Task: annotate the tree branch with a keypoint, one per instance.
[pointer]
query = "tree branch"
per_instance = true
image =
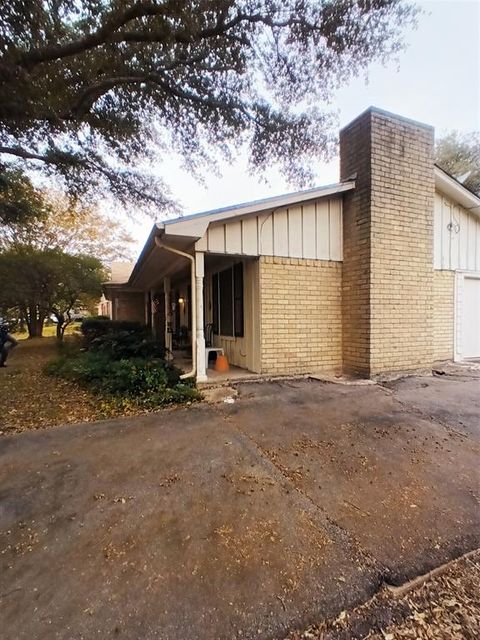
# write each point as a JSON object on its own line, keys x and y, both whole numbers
{"x": 23, "y": 153}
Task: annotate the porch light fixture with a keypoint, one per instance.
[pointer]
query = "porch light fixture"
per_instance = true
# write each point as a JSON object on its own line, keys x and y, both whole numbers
{"x": 181, "y": 300}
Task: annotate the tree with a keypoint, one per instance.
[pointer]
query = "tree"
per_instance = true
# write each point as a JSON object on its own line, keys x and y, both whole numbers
{"x": 37, "y": 283}
{"x": 459, "y": 155}
{"x": 20, "y": 202}
{"x": 71, "y": 227}
{"x": 78, "y": 284}
{"x": 92, "y": 90}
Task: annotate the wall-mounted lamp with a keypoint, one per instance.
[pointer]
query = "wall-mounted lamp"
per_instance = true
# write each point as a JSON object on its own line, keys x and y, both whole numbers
{"x": 181, "y": 300}
{"x": 453, "y": 226}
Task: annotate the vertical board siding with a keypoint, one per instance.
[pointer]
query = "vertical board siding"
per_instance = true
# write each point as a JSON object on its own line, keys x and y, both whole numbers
{"x": 295, "y": 232}
{"x": 310, "y": 231}
{"x": 233, "y": 237}
{"x": 323, "y": 230}
{"x": 457, "y": 247}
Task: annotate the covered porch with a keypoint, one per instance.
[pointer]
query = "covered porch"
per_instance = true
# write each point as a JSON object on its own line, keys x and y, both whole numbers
{"x": 197, "y": 302}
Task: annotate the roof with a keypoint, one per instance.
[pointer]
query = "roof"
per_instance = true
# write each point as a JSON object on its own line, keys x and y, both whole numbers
{"x": 451, "y": 187}
{"x": 188, "y": 229}
{"x": 120, "y": 271}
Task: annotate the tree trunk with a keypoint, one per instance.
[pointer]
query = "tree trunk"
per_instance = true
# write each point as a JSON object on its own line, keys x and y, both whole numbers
{"x": 35, "y": 322}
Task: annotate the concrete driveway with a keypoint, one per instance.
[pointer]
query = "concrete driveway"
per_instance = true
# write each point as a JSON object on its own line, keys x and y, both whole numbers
{"x": 236, "y": 521}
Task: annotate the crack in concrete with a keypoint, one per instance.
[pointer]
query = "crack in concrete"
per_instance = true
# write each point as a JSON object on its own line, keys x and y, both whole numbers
{"x": 334, "y": 529}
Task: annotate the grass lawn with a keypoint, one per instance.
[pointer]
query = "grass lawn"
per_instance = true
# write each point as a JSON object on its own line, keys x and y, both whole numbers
{"x": 50, "y": 331}
{"x": 32, "y": 400}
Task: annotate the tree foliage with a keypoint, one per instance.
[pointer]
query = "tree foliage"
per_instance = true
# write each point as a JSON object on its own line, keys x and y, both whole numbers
{"x": 68, "y": 226}
{"x": 459, "y": 155}
{"x": 93, "y": 90}
{"x": 20, "y": 202}
{"x": 37, "y": 283}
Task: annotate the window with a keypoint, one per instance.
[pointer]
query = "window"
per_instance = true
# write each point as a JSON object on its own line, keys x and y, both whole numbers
{"x": 227, "y": 301}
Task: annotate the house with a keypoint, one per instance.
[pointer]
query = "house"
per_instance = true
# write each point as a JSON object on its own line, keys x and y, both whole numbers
{"x": 120, "y": 271}
{"x": 378, "y": 273}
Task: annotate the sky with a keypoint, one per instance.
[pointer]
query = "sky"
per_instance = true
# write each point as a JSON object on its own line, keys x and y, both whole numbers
{"x": 436, "y": 81}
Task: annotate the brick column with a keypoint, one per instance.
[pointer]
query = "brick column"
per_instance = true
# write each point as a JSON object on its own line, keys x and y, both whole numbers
{"x": 388, "y": 244}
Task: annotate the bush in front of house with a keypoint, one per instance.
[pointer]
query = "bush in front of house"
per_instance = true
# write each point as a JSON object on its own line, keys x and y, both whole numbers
{"x": 121, "y": 363}
{"x": 120, "y": 339}
{"x": 136, "y": 381}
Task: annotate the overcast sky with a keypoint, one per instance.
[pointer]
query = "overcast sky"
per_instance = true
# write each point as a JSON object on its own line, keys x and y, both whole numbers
{"x": 437, "y": 82}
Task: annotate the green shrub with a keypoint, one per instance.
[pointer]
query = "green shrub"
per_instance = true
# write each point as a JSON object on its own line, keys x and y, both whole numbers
{"x": 120, "y": 339}
{"x": 97, "y": 326}
{"x": 120, "y": 344}
{"x": 137, "y": 381}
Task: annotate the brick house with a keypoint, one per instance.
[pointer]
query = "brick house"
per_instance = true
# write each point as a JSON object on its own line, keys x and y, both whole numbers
{"x": 379, "y": 273}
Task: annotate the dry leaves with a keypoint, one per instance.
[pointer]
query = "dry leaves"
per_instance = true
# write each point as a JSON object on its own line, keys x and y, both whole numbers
{"x": 446, "y": 607}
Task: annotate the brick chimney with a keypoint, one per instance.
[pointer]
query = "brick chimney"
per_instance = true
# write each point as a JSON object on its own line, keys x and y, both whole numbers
{"x": 388, "y": 244}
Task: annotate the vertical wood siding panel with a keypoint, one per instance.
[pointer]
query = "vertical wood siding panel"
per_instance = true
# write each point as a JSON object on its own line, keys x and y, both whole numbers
{"x": 454, "y": 238}
{"x": 233, "y": 237}
{"x": 446, "y": 219}
{"x": 477, "y": 247}
{"x": 323, "y": 231}
{"x": 462, "y": 217}
{"x": 280, "y": 233}
{"x": 249, "y": 236}
{"x": 216, "y": 239}
{"x": 295, "y": 235}
{"x": 471, "y": 237}
{"x": 309, "y": 231}
{"x": 437, "y": 232}
{"x": 265, "y": 234}
{"x": 335, "y": 230}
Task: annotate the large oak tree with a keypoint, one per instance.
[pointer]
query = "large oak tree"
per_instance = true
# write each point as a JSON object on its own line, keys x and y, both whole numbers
{"x": 92, "y": 89}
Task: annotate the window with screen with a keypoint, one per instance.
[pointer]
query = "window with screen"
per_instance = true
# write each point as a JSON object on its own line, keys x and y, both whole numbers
{"x": 227, "y": 301}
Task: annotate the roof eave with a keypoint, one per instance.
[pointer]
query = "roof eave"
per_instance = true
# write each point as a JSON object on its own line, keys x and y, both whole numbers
{"x": 454, "y": 189}
{"x": 195, "y": 225}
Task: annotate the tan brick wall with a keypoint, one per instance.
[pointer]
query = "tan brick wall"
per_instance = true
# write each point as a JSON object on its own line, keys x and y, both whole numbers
{"x": 355, "y": 152}
{"x": 443, "y": 314}
{"x": 300, "y": 311}
{"x": 390, "y": 257}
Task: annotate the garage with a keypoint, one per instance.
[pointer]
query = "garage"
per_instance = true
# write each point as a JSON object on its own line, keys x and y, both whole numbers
{"x": 470, "y": 317}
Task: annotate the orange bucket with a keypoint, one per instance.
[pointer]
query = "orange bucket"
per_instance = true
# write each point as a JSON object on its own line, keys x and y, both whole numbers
{"x": 221, "y": 363}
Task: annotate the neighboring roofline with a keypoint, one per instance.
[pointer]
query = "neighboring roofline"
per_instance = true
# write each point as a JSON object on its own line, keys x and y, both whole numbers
{"x": 271, "y": 202}
{"x": 456, "y": 190}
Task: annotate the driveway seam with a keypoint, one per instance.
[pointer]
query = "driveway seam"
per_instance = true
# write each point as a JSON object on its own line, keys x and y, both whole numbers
{"x": 331, "y": 525}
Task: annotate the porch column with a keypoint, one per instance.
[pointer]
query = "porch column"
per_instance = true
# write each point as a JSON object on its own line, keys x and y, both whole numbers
{"x": 168, "y": 323}
{"x": 199, "y": 274}
{"x": 146, "y": 299}
{"x": 152, "y": 313}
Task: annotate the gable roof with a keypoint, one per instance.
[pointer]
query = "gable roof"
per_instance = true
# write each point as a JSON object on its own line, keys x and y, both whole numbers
{"x": 186, "y": 230}
{"x": 195, "y": 225}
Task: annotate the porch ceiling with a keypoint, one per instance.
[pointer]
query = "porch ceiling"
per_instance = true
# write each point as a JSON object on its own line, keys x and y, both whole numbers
{"x": 159, "y": 263}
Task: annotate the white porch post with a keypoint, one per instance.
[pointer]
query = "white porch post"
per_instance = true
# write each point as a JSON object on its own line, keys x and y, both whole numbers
{"x": 199, "y": 274}
{"x": 152, "y": 313}
{"x": 168, "y": 323}
{"x": 146, "y": 299}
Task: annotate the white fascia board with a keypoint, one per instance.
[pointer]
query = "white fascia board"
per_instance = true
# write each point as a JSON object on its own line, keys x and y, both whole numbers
{"x": 195, "y": 226}
{"x": 457, "y": 192}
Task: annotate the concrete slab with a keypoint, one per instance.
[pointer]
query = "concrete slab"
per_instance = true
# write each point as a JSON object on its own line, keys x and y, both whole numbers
{"x": 152, "y": 527}
{"x": 403, "y": 486}
{"x": 232, "y": 521}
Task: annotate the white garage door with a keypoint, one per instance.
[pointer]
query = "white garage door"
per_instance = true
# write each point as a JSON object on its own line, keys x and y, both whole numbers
{"x": 471, "y": 318}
